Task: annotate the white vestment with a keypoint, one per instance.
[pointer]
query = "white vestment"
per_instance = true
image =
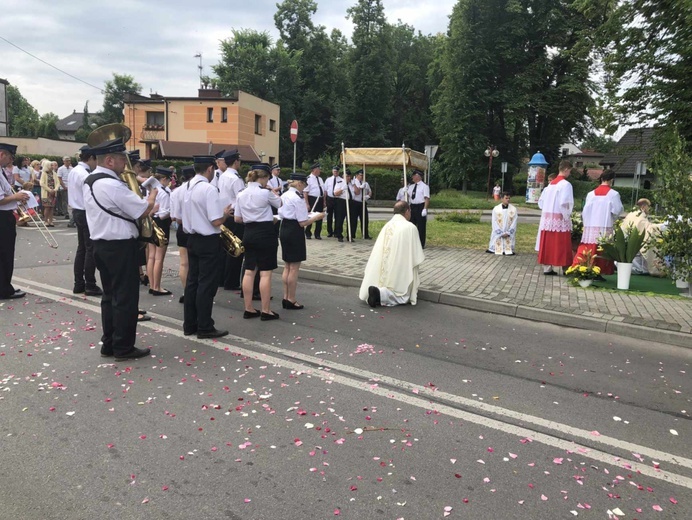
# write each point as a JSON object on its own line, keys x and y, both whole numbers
{"x": 393, "y": 263}
{"x": 504, "y": 222}
{"x": 556, "y": 203}
{"x": 646, "y": 261}
{"x": 599, "y": 214}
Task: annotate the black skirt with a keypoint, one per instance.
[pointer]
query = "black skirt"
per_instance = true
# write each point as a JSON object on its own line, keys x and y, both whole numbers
{"x": 292, "y": 237}
{"x": 181, "y": 236}
{"x": 261, "y": 245}
{"x": 165, "y": 225}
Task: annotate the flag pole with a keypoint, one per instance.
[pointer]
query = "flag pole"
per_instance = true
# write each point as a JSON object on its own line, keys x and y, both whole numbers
{"x": 348, "y": 208}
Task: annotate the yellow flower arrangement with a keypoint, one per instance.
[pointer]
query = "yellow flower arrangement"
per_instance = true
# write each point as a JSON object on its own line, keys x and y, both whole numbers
{"x": 583, "y": 269}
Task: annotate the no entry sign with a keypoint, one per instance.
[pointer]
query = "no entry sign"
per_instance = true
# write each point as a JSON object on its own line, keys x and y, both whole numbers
{"x": 294, "y": 131}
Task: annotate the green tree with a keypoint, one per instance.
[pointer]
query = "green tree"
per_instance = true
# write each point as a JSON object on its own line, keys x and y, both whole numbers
{"x": 673, "y": 169}
{"x": 114, "y": 97}
{"x": 599, "y": 143}
{"x": 318, "y": 71}
{"x": 365, "y": 113}
{"x": 648, "y": 63}
{"x": 21, "y": 116}
{"x": 85, "y": 129}
{"x": 411, "y": 120}
{"x": 251, "y": 62}
{"x": 46, "y": 126}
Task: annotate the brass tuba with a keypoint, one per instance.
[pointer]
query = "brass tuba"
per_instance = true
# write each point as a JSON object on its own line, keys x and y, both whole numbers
{"x": 149, "y": 231}
{"x": 231, "y": 243}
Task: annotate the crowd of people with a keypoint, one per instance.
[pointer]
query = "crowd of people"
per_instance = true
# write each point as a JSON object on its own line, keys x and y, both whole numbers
{"x": 263, "y": 210}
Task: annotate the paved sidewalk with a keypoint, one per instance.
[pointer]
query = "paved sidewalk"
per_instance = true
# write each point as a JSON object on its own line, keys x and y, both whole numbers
{"x": 514, "y": 286}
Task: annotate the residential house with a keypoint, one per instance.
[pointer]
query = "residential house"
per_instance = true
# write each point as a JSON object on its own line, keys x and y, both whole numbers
{"x": 179, "y": 127}
{"x": 68, "y": 126}
{"x": 632, "y": 153}
{"x": 580, "y": 158}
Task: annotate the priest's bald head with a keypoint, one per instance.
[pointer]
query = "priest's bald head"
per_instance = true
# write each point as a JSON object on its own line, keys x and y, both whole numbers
{"x": 402, "y": 207}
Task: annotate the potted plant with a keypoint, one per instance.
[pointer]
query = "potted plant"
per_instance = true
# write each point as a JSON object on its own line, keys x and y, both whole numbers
{"x": 622, "y": 247}
{"x": 583, "y": 273}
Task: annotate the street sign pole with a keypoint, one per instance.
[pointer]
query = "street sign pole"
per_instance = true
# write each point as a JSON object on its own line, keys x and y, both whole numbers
{"x": 294, "y": 138}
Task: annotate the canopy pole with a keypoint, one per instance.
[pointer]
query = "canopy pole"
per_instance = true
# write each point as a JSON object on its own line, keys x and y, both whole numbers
{"x": 403, "y": 157}
{"x": 348, "y": 200}
{"x": 362, "y": 198}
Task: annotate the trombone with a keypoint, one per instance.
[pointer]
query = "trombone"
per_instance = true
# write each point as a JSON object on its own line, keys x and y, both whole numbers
{"x": 26, "y": 215}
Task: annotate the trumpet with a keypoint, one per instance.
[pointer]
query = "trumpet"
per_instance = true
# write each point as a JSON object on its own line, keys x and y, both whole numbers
{"x": 27, "y": 215}
{"x": 149, "y": 231}
{"x": 231, "y": 243}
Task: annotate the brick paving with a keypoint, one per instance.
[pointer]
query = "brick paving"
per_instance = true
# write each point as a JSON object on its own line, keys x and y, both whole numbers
{"x": 516, "y": 280}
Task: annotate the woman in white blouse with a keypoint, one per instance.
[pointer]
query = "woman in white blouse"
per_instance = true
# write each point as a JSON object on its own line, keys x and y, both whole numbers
{"x": 294, "y": 217}
{"x": 156, "y": 254}
{"x": 254, "y": 209}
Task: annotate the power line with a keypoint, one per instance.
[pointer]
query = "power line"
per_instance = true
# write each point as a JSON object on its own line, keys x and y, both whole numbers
{"x": 53, "y": 66}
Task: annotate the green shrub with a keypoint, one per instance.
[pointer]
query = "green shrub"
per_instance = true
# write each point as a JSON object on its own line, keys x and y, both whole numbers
{"x": 461, "y": 217}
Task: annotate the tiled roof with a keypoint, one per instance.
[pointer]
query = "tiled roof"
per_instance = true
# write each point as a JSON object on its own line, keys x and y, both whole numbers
{"x": 635, "y": 146}
{"x": 185, "y": 150}
{"x": 73, "y": 122}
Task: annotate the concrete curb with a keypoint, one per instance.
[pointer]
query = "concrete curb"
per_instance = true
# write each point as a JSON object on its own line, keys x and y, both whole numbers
{"x": 535, "y": 314}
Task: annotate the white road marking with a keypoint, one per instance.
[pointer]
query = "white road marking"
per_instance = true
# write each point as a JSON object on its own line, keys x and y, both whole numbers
{"x": 366, "y": 386}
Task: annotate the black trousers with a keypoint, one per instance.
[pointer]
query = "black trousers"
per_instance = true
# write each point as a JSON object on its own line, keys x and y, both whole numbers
{"x": 318, "y": 207}
{"x": 331, "y": 204}
{"x": 340, "y": 216}
{"x": 116, "y": 261}
{"x": 84, "y": 264}
{"x": 8, "y": 239}
{"x": 232, "y": 265}
{"x": 359, "y": 209}
{"x": 202, "y": 282}
{"x": 419, "y": 221}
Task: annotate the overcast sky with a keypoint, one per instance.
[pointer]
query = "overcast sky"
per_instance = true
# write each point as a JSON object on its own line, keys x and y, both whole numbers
{"x": 155, "y": 41}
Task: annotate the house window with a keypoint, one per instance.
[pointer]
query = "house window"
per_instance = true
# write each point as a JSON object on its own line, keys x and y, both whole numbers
{"x": 155, "y": 119}
{"x": 210, "y": 115}
{"x": 272, "y": 160}
{"x": 224, "y": 115}
{"x": 565, "y": 152}
{"x": 258, "y": 125}
{"x": 272, "y": 125}
{"x": 579, "y": 164}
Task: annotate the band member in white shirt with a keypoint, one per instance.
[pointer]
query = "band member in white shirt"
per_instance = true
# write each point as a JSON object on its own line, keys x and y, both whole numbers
{"x": 203, "y": 213}
{"x": 162, "y": 217}
{"x": 8, "y": 224}
{"x": 188, "y": 172}
{"x": 315, "y": 196}
{"x": 111, "y": 211}
{"x": 230, "y": 185}
{"x": 294, "y": 217}
{"x": 345, "y": 192}
{"x": 84, "y": 264}
{"x": 329, "y": 186}
{"x": 253, "y": 209}
{"x": 419, "y": 198}
{"x": 360, "y": 200}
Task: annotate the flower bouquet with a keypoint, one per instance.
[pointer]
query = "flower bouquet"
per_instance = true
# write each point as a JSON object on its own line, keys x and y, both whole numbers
{"x": 583, "y": 272}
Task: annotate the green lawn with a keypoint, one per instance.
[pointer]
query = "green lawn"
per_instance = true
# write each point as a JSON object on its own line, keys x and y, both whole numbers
{"x": 455, "y": 199}
{"x": 468, "y": 236}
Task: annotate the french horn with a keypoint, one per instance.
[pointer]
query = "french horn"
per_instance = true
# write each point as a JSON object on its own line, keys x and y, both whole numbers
{"x": 231, "y": 243}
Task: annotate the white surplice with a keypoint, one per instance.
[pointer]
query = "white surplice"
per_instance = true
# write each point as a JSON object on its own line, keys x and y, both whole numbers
{"x": 599, "y": 214}
{"x": 394, "y": 262}
{"x": 504, "y": 222}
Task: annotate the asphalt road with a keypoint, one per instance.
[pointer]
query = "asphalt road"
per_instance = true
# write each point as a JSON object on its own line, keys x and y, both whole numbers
{"x": 334, "y": 411}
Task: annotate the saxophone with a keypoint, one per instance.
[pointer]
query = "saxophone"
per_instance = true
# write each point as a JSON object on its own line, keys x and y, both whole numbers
{"x": 231, "y": 243}
{"x": 149, "y": 231}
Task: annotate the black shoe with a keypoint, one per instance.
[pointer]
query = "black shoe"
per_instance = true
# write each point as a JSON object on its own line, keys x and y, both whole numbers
{"x": 189, "y": 332}
{"x": 550, "y": 273}
{"x": 374, "y": 296}
{"x": 368, "y": 238}
{"x": 248, "y": 315}
{"x": 215, "y": 333}
{"x": 308, "y": 237}
{"x": 71, "y": 225}
{"x": 341, "y": 240}
{"x": 78, "y": 289}
{"x": 269, "y": 316}
{"x": 489, "y": 251}
{"x": 330, "y": 235}
{"x": 93, "y": 291}
{"x": 318, "y": 238}
{"x": 288, "y": 304}
{"x": 160, "y": 293}
{"x": 15, "y": 295}
{"x": 181, "y": 299}
{"x": 135, "y": 353}
{"x": 144, "y": 280}
{"x": 106, "y": 353}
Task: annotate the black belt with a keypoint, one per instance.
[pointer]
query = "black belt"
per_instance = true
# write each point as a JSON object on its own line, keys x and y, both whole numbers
{"x": 419, "y": 204}
{"x": 201, "y": 235}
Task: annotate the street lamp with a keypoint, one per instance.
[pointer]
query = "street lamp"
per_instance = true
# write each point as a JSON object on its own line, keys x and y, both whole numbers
{"x": 490, "y": 152}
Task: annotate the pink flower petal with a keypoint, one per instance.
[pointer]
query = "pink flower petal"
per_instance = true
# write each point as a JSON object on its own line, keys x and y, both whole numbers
{"x": 656, "y": 507}
{"x": 673, "y": 501}
{"x": 544, "y": 498}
